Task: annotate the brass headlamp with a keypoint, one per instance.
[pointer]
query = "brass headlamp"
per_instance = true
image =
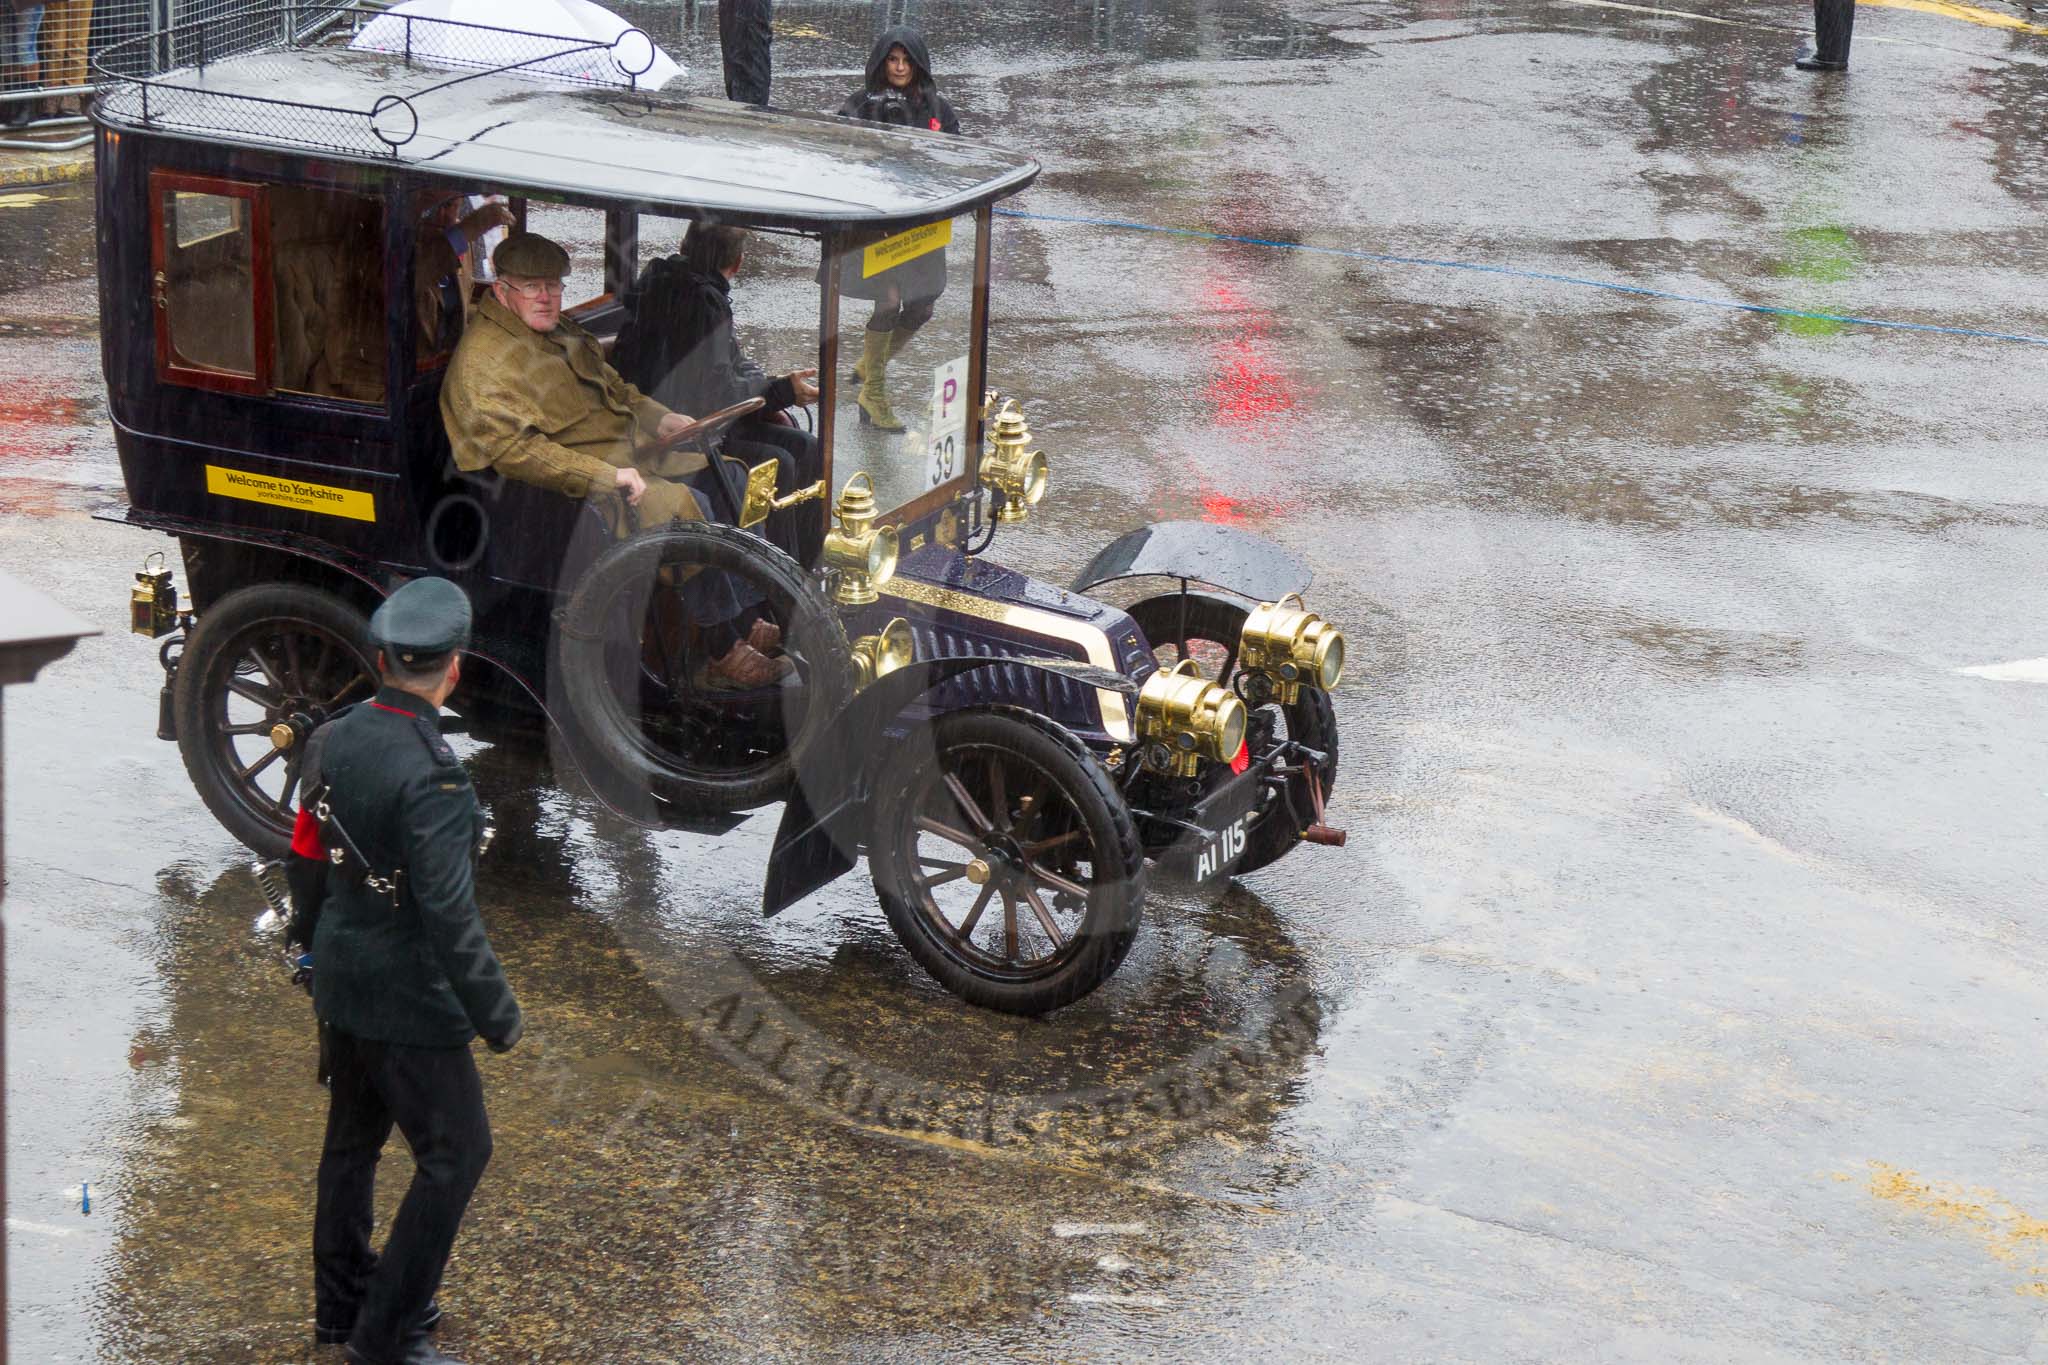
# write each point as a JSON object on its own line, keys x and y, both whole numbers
{"x": 1184, "y": 718}
{"x": 877, "y": 656}
{"x": 860, "y": 554}
{"x": 1289, "y": 647}
{"x": 1011, "y": 465}
{"x": 153, "y": 602}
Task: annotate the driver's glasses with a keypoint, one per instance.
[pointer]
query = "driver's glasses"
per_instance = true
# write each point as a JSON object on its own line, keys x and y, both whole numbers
{"x": 533, "y": 289}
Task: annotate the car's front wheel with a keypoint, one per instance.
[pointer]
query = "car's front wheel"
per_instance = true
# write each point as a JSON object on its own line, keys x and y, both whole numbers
{"x": 1005, "y": 860}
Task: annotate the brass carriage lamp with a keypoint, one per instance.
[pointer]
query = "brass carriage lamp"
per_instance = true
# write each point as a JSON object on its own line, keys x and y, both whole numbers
{"x": 879, "y": 655}
{"x": 860, "y": 554}
{"x": 1183, "y": 718}
{"x": 1285, "y": 648}
{"x": 153, "y": 602}
{"x": 1011, "y": 465}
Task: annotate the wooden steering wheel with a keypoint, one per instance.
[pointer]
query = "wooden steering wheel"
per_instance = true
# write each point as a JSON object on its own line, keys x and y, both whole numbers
{"x": 705, "y": 428}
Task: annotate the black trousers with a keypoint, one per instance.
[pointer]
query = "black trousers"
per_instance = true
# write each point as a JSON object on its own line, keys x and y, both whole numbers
{"x": 745, "y": 32}
{"x": 1833, "y": 22}
{"x": 436, "y": 1099}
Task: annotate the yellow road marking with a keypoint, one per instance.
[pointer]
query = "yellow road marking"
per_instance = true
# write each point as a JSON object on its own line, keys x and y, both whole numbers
{"x": 1946, "y": 9}
{"x": 2009, "y": 1234}
{"x": 22, "y": 201}
{"x": 1969, "y": 14}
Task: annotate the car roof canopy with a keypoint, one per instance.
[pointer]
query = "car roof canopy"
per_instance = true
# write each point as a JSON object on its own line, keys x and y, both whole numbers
{"x": 516, "y": 131}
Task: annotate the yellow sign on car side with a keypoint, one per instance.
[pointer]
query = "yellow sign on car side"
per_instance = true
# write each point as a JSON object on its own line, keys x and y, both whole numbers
{"x": 905, "y": 246}
{"x": 353, "y": 503}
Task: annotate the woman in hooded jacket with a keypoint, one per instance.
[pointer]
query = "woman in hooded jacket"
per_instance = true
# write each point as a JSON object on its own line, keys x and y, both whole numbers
{"x": 900, "y": 91}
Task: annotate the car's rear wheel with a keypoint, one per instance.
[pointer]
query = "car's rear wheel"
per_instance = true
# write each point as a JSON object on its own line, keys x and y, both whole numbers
{"x": 1207, "y": 629}
{"x": 1005, "y": 860}
{"x": 264, "y": 656}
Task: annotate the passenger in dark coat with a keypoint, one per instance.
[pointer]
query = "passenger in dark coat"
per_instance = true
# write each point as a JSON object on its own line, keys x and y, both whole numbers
{"x": 679, "y": 342}
{"x": 404, "y": 979}
{"x": 746, "y": 29}
{"x": 900, "y": 91}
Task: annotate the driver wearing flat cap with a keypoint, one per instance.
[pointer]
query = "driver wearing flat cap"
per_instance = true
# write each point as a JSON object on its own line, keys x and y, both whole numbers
{"x": 404, "y": 979}
{"x": 530, "y": 394}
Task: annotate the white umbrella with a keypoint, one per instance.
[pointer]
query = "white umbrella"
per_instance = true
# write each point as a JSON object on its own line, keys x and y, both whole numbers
{"x": 437, "y": 36}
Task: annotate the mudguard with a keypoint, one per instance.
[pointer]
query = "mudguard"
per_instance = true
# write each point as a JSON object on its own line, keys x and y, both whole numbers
{"x": 819, "y": 837}
{"x": 1201, "y": 552}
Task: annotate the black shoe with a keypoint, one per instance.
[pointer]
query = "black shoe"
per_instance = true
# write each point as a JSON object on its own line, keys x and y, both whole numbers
{"x": 1818, "y": 64}
{"x": 335, "y": 1336}
{"x": 17, "y": 114}
{"x": 419, "y": 1350}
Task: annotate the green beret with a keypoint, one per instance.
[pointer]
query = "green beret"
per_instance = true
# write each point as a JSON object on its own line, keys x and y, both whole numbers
{"x": 424, "y": 621}
{"x": 531, "y": 255}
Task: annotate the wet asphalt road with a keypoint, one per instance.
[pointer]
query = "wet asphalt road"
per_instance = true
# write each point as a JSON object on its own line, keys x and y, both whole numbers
{"x": 1679, "y": 993}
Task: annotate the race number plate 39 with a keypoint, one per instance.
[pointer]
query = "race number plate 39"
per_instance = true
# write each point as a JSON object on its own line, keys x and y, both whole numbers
{"x": 946, "y": 456}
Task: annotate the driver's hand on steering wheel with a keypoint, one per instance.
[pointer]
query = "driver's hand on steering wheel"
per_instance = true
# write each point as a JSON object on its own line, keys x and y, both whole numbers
{"x": 805, "y": 382}
{"x": 631, "y": 483}
{"x": 671, "y": 426}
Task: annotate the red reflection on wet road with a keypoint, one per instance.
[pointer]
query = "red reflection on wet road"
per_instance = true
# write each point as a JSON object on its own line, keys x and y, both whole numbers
{"x": 1221, "y": 507}
{"x": 26, "y": 403}
{"x": 1249, "y": 384}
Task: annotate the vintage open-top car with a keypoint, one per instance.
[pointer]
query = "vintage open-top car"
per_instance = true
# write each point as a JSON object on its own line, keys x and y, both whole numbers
{"x": 1006, "y": 753}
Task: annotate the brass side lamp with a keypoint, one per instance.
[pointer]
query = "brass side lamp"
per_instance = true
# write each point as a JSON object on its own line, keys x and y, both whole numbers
{"x": 1183, "y": 718}
{"x": 153, "y": 603}
{"x": 860, "y": 554}
{"x": 877, "y": 656}
{"x": 1011, "y": 465}
{"x": 1286, "y": 648}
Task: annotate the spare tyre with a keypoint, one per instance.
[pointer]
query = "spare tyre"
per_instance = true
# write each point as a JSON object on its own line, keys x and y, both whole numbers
{"x": 658, "y": 681}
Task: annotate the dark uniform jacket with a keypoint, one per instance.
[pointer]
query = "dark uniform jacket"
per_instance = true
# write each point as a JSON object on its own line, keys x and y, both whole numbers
{"x": 422, "y": 972}
{"x": 679, "y": 343}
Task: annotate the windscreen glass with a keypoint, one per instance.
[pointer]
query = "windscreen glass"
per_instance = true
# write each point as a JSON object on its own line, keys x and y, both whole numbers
{"x": 718, "y": 314}
{"x": 902, "y": 407}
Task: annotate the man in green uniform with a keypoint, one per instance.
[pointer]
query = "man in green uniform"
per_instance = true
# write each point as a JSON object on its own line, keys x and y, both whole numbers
{"x": 530, "y": 394}
{"x": 404, "y": 978}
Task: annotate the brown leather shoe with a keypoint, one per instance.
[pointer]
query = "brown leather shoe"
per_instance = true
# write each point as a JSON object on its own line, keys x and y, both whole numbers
{"x": 765, "y": 636}
{"x": 743, "y": 668}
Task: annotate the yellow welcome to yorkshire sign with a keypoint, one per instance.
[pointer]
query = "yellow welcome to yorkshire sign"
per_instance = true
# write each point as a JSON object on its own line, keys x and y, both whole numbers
{"x": 353, "y": 503}
{"x": 905, "y": 246}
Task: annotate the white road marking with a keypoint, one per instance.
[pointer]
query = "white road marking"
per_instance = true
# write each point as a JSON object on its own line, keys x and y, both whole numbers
{"x": 47, "y": 1229}
{"x": 1098, "y": 1229}
{"x": 2019, "y": 670}
{"x": 1113, "y": 1263}
{"x": 1121, "y": 1300}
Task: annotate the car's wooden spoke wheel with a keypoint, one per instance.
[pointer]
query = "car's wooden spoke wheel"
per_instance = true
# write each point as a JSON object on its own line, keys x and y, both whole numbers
{"x": 1006, "y": 861}
{"x": 263, "y": 667}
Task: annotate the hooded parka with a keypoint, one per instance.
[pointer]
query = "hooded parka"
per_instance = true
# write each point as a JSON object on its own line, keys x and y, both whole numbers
{"x": 927, "y": 108}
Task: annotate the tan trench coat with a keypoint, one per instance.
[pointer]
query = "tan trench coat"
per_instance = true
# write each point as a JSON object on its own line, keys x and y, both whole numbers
{"x": 544, "y": 408}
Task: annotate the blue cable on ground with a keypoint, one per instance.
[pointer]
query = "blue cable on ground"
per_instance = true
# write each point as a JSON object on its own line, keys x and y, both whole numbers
{"x": 1734, "y": 305}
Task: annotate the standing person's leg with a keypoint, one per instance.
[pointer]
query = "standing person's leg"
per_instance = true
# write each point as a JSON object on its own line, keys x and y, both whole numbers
{"x": 1833, "y": 22}
{"x": 873, "y": 368}
{"x": 68, "y": 28}
{"x": 358, "y": 1124}
{"x": 437, "y": 1099}
{"x": 22, "y": 72}
{"x": 746, "y": 32}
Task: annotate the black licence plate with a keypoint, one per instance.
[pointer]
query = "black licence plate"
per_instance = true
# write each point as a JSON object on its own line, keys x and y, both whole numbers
{"x": 1225, "y": 820}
